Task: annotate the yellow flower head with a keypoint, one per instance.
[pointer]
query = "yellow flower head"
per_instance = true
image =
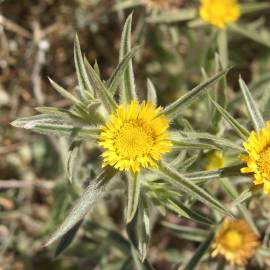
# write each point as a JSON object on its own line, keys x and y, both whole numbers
{"x": 135, "y": 137}
{"x": 215, "y": 161}
{"x": 219, "y": 12}
{"x": 258, "y": 158}
{"x": 235, "y": 241}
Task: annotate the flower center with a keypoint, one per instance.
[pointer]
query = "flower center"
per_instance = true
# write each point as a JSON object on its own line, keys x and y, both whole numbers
{"x": 264, "y": 162}
{"x": 233, "y": 239}
{"x": 133, "y": 140}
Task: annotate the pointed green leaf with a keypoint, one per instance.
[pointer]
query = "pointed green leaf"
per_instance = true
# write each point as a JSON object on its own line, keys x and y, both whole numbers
{"x": 209, "y": 138}
{"x": 185, "y": 164}
{"x": 63, "y": 92}
{"x": 182, "y": 143}
{"x": 187, "y": 186}
{"x": 134, "y": 189}
{"x": 151, "y": 92}
{"x": 90, "y": 196}
{"x": 117, "y": 76}
{"x": 172, "y": 16}
{"x": 72, "y": 158}
{"x": 126, "y": 5}
{"x": 246, "y": 194}
{"x": 223, "y": 48}
{"x": 139, "y": 230}
{"x": 100, "y": 89}
{"x": 253, "y": 110}
{"x": 254, "y": 7}
{"x": 220, "y": 89}
{"x": 127, "y": 89}
{"x": 96, "y": 68}
{"x": 55, "y": 126}
{"x": 67, "y": 239}
{"x": 185, "y": 211}
{"x": 232, "y": 191}
{"x": 185, "y": 232}
{"x": 174, "y": 109}
{"x": 249, "y": 33}
{"x": 203, "y": 176}
{"x": 238, "y": 128}
{"x": 84, "y": 83}
{"x": 55, "y": 112}
{"x": 202, "y": 249}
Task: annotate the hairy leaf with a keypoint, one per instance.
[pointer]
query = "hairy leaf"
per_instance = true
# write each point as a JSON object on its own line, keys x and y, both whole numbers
{"x": 127, "y": 89}
{"x": 90, "y": 196}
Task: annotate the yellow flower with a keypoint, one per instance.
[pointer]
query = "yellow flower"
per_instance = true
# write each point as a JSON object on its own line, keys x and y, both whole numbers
{"x": 258, "y": 158}
{"x": 219, "y": 12}
{"x": 215, "y": 161}
{"x": 135, "y": 137}
{"x": 235, "y": 241}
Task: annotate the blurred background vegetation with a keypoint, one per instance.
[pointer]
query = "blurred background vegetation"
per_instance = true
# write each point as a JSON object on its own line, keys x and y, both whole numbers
{"x": 36, "y": 40}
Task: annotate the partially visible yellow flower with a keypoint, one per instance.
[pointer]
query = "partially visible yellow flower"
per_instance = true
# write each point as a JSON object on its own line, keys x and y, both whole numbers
{"x": 135, "y": 137}
{"x": 235, "y": 241}
{"x": 219, "y": 12}
{"x": 215, "y": 161}
{"x": 258, "y": 158}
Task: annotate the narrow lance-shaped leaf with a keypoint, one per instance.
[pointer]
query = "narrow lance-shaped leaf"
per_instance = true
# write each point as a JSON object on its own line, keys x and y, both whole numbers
{"x": 128, "y": 92}
{"x": 151, "y": 92}
{"x": 204, "y": 176}
{"x": 67, "y": 239}
{"x": 239, "y": 129}
{"x": 220, "y": 142}
{"x": 223, "y": 48}
{"x": 91, "y": 195}
{"x": 254, "y": 112}
{"x": 177, "y": 15}
{"x": 202, "y": 249}
{"x": 72, "y": 158}
{"x": 183, "y": 184}
{"x": 187, "y": 212}
{"x": 84, "y": 83}
{"x": 254, "y": 7}
{"x": 51, "y": 128}
{"x": 144, "y": 230}
{"x": 63, "y": 92}
{"x": 134, "y": 187}
{"x": 139, "y": 230}
{"x": 100, "y": 89}
{"x": 125, "y": 5}
{"x": 186, "y": 164}
{"x": 96, "y": 68}
{"x": 174, "y": 109}
{"x": 119, "y": 72}
{"x": 56, "y": 112}
{"x": 249, "y": 33}
{"x": 186, "y": 232}
{"x": 246, "y": 194}
{"x": 221, "y": 87}
{"x": 231, "y": 190}
{"x": 182, "y": 143}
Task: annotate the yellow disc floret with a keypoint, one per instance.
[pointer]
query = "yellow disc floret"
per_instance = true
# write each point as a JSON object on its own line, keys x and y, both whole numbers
{"x": 235, "y": 241}
{"x": 258, "y": 158}
{"x": 219, "y": 12}
{"x": 135, "y": 137}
